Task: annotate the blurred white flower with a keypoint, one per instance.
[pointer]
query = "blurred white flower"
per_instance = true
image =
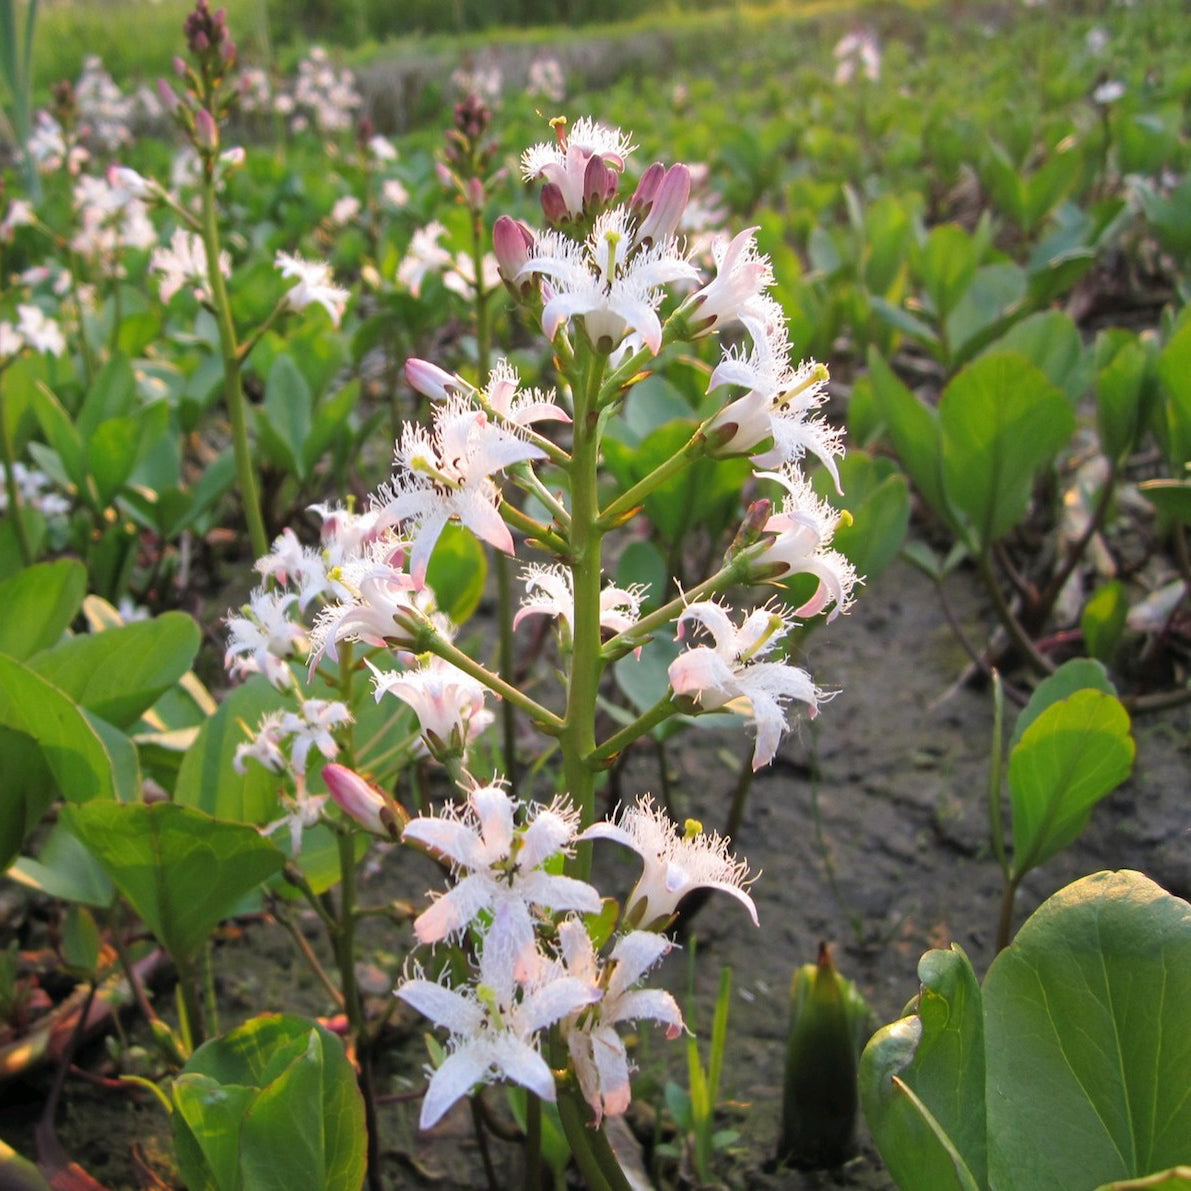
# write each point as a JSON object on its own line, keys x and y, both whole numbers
{"x": 425, "y": 256}
{"x": 314, "y": 286}
{"x": 184, "y": 262}
{"x": 857, "y": 52}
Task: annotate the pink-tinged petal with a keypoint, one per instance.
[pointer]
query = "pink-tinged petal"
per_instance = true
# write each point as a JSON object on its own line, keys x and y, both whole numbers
{"x": 454, "y": 840}
{"x": 635, "y": 954}
{"x": 427, "y": 537}
{"x": 612, "y": 1063}
{"x": 485, "y": 521}
{"x": 559, "y": 893}
{"x": 547, "y": 834}
{"x": 454, "y": 910}
{"x": 579, "y": 1045}
{"x": 610, "y": 831}
{"x": 702, "y": 674}
{"x": 444, "y": 1006}
{"x": 666, "y": 210}
{"x": 457, "y": 1076}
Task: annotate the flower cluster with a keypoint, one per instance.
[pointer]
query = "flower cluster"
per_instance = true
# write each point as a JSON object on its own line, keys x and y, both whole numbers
{"x": 537, "y": 965}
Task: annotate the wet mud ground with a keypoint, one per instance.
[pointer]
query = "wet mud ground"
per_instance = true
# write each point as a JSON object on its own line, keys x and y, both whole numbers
{"x": 869, "y": 831}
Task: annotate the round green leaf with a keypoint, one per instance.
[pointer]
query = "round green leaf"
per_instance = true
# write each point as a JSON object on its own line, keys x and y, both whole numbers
{"x": 1088, "y": 1029}
{"x": 182, "y": 871}
{"x": 39, "y": 603}
{"x": 457, "y": 572}
{"x": 1075, "y": 752}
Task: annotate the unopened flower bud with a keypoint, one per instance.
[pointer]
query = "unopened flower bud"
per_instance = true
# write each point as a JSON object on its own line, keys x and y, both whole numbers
{"x": 647, "y": 188}
{"x": 511, "y": 242}
{"x": 475, "y": 194}
{"x": 429, "y": 379}
{"x": 554, "y": 205}
{"x": 206, "y": 132}
{"x": 751, "y": 527}
{"x": 180, "y": 67}
{"x": 133, "y": 184}
{"x": 599, "y": 183}
{"x": 669, "y": 203}
{"x": 445, "y": 176}
{"x": 360, "y": 800}
{"x": 167, "y": 95}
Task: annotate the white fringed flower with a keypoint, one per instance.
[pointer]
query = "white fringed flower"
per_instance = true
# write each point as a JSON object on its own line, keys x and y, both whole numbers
{"x": 737, "y": 292}
{"x": 504, "y": 870}
{"x": 314, "y": 286}
{"x": 447, "y": 475}
{"x": 549, "y": 591}
{"x": 494, "y": 1022}
{"x": 728, "y": 674}
{"x": 612, "y": 287}
{"x": 673, "y": 864}
{"x": 184, "y": 262}
{"x": 263, "y": 637}
{"x": 564, "y": 162}
{"x": 801, "y": 544}
{"x": 597, "y": 1050}
{"x": 449, "y": 704}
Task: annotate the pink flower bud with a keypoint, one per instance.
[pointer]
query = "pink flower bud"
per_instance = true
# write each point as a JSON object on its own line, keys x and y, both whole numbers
{"x": 362, "y": 801}
{"x": 647, "y": 188}
{"x": 122, "y": 178}
{"x": 206, "y": 131}
{"x": 668, "y": 205}
{"x": 445, "y": 177}
{"x": 475, "y": 193}
{"x": 167, "y": 95}
{"x": 554, "y": 205}
{"x": 511, "y": 242}
{"x": 599, "y": 182}
{"x": 429, "y": 379}
{"x": 180, "y": 67}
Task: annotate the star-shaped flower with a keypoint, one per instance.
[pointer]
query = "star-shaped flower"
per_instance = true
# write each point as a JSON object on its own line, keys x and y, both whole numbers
{"x": 314, "y": 286}
{"x": 673, "y": 863}
{"x": 615, "y": 286}
{"x": 503, "y": 863}
{"x": 729, "y": 674}
{"x": 494, "y": 1022}
{"x": 447, "y": 475}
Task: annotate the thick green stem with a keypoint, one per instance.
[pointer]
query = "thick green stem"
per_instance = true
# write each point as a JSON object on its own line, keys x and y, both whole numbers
{"x": 533, "y": 1142}
{"x": 622, "y": 507}
{"x": 192, "y": 1006}
{"x": 233, "y": 384}
{"x": 577, "y": 738}
{"x": 15, "y": 508}
{"x": 1005, "y": 923}
{"x": 590, "y": 1149}
{"x": 505, "y": 663}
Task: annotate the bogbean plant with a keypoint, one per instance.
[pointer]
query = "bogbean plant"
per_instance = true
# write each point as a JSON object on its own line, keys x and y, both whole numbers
{"x": 545, "y": 968}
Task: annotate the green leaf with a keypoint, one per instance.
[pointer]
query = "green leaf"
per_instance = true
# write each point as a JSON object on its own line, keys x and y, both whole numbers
{"x": 61, "y": 434}
{"x": 1089, "y": 1038}
{"x": 914, "y": 429}
{"x": 1174, "y": 374}
{"x": 922, "y": 1082}
{"x": 1122, "y": 365}
{"x": 877, "y": 498}
{"x": 120, "y": 673}
{"x": 1170, "y": 497}
{"x": 297, "y": 1118}
{"x": 1103, "y": 619}
{"x": 1075, "y": 675}
{"x": 995, "y": 296}
{"x": 330, "y": 420}
{"x": 1051, "y": 342}
{"x": 111, "y": 394}
{"x": 182, "y": 871}
{"x": 49, "y": 748}
{"x": 119, "y": 444}
{"x": 65, "y": 870}
{"x": 1076, "y": 751}
{"x": 285, "y": 418}
{"x": 1179, "y": 1176}
{"x": 947, "y": 263}
{"x": 457, "y": 573}
{"x": 19, "y": 1174}
{"x": 39, "y": 604}
{"x": 1001, "y": 420}
{"x": 207, "y": 1119}
{"x": 641, "y": 562}
{"x": 207, "y": 779}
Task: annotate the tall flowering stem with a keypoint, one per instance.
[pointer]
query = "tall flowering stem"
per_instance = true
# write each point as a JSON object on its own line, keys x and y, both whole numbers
{"x": 12, "y": 490}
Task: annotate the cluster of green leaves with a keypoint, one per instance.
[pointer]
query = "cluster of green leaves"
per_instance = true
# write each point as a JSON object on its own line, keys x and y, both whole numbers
{"x": 1065, "y": 1069}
